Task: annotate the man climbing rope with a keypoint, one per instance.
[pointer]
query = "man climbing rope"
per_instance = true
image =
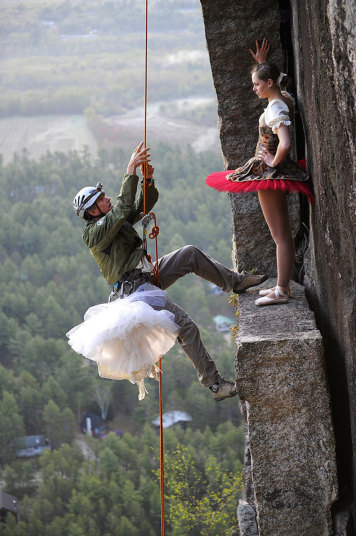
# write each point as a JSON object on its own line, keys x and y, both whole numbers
{"x": 117, "y": 249}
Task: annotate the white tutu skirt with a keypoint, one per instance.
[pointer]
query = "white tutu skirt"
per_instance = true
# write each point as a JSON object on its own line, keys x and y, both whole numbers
{"x": 127, "y": 336}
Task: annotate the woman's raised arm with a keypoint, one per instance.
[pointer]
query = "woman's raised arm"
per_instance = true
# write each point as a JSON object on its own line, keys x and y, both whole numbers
{"x": 261, "y": 52}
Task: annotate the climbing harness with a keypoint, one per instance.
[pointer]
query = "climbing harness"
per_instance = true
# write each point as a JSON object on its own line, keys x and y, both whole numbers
{"x": 146, "y": 219}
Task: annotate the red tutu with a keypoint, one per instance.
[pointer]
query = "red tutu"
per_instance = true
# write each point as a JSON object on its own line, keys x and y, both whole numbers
{"x": 218, "y": 181}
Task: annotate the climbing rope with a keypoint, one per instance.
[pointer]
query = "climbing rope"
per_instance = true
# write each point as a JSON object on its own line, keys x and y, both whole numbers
{"x": 153, "y": 235}
{"x": 145, "y": 107}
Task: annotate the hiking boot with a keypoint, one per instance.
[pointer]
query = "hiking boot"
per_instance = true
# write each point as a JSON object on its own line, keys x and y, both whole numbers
{"x": 223, "y": 389}
{"x": 248, "y": 280}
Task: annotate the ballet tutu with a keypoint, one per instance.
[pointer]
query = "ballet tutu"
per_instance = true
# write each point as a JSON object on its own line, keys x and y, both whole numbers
{"x": 127, "y": 337}
{"x": 254, "y": 175}
{"x": 220, "y": 182}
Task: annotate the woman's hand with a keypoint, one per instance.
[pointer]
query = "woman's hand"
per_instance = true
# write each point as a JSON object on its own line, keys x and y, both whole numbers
{"x": 139, "y": 156}
{"x": 261, "y": 53}
{"x": 282, "y": 148}
{"x": 267, "y": 157}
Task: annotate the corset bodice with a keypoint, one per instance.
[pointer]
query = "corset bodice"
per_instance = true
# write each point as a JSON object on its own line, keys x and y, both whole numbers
{"x": 266, "y": 139}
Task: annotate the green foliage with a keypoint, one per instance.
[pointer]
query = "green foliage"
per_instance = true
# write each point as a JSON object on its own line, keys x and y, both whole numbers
{"x": 11, "y": 427}
{"x": 20, "y": 478}
{"x": 234, "y": 302}
{"x": 200, "y": 503}
{"x": 47, "y": 281}
{"x": 59, "y": 426}
{"x": 73, "y": 495}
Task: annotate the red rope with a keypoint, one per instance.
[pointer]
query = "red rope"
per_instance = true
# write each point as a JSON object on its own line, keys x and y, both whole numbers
{"x": 153, "y": 235}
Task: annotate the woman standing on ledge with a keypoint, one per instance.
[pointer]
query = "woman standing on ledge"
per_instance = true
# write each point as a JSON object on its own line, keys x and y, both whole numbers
{"x": 271, "y": 172}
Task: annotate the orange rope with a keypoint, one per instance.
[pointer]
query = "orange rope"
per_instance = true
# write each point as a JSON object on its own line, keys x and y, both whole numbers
{"x": 161, "y": 446}
{"x": 153, "y": 235}
{"x": 145, "y": 111}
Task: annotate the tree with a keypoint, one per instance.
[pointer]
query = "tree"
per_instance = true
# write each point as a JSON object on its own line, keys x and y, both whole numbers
{"x": 109, "y": 462}
{"x": 59, "y": 425}
{"x": 10, "y": 527}
{"x": 11, "y": 427}
{"x": 52, "y": 390}
{"x": 126, "y": 527}
{"x": 68, "y": 426}
{"x": 103, "y": 396}
{"x": 29, "y": 397}
{"x": 6, "y": 379}
{"x": 196, "y": 507}
{"x": 75, "y": 379}
{"x": 20, "y": 479}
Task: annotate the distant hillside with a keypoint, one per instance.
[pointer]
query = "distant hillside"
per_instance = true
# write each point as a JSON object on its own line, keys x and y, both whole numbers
{"x": 69, "y": 59}
{"x": 45, "y": 133}
{"x": 72, "y": 55}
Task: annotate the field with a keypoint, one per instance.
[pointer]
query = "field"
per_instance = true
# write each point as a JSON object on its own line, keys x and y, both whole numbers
{"x": 72, "y": 77}
{"x": 45, "y": 133}
{"x": 172, "y": 122}
{"x": 67, "y": 133}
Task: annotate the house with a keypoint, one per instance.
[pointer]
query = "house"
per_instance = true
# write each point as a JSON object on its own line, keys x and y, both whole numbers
{"x": 215, "y": 290}
{"x": 31, "y": 446}
{"x": 93, "y": 424}
{"x": 8, "y": 503}
{"x": 223, "y": 323}
{"x": 171, "y": 418}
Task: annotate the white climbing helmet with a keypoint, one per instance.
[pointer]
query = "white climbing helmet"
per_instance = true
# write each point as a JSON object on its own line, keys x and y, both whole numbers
{"x": 86, "y": 197}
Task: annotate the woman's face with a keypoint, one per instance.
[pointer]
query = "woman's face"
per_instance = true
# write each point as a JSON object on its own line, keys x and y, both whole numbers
{"x": 260, "y": 87}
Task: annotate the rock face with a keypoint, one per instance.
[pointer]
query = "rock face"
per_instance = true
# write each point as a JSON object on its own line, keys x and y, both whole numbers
{"x": 247, "y": 519}
{"x": 320, "y": 54}
{"x": 230, "y": 33}
{"x": 280, "y": 377}
{"x": 324, "y": 50}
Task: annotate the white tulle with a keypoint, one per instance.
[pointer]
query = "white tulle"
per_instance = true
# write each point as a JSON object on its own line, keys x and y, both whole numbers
{"x": 127, "y": 336}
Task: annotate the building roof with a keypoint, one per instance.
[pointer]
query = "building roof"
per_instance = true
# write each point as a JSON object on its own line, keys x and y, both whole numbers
{"x": 34, "y": 441}
{"x": 172, "y": 417}
{"x": 221, "y": 319}
{"x": 223, "y": 323}
{"x": 32, "y": 446}
{"x": 8, "y": 502}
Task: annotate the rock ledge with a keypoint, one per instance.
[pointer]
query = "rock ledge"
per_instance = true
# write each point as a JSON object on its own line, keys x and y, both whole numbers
{"x": 291, "y": 481}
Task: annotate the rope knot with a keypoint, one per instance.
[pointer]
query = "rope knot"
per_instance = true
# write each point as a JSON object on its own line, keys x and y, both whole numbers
{"x": 154, "y": 232}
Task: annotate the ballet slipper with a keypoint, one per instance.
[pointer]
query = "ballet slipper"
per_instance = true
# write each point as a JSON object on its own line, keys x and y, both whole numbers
{"x": 266, "y": 291}
{"x": 279, "y": 297}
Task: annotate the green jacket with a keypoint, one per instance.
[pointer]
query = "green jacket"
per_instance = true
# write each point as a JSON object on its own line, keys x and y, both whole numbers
{"x": 112, "y": 240}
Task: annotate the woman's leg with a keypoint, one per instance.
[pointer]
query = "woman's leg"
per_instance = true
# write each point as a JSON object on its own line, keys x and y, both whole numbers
{"x": 275, "y": 210}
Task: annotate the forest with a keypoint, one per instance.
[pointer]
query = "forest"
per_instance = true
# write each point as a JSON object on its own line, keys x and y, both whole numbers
{"x": 74, "y": 57}
{"x": 47, "y": 281}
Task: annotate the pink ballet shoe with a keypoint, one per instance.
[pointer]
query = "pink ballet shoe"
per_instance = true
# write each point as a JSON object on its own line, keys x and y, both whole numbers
{"x": 279, "y": 297}
{"x": 266, "y": 291}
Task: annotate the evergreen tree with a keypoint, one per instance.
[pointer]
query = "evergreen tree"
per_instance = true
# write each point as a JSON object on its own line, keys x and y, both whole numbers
{"x": 11, "y": 428}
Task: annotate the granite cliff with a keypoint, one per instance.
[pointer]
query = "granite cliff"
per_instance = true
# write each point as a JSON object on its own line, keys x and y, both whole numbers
{"x": 315, "y": 43}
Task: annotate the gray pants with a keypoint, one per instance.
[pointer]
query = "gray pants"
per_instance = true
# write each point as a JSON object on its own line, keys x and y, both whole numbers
{"x": 190, "y": 259}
